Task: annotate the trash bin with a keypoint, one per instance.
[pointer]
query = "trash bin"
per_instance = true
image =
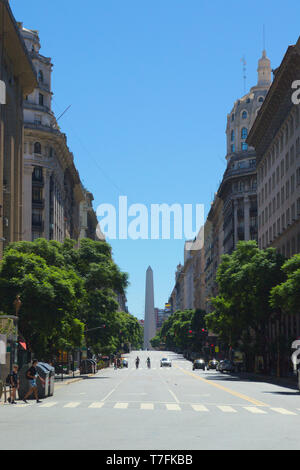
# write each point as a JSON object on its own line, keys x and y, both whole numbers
{"x": 43, "y": 388}
{"x": 50, "y": 391}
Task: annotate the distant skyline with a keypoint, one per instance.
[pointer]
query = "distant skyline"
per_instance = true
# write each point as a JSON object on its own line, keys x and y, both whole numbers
{"x": 151, "y": 84}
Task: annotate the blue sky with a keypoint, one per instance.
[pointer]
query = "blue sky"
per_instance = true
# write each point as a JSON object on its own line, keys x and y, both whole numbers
{"x": 150, "y": 84}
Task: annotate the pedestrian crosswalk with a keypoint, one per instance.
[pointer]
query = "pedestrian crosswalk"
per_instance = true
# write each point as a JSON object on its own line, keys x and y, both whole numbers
{"x": 161, "y": 406}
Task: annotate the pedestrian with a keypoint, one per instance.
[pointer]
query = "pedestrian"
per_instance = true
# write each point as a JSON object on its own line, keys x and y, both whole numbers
{"x": 32, "y": 375}
{"x": 14, "y": 383}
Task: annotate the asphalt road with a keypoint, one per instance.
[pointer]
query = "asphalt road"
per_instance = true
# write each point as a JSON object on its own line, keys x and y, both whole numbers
{"x": 161, "y": 408}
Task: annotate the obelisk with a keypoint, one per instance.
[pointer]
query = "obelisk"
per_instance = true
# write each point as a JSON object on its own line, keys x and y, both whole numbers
{"x": 149, "y": 322}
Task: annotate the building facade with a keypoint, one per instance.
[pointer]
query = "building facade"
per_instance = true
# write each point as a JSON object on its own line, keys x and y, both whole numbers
{"x": 18, "y": 79}
{"x": 238, "y": 189}
{"x": 52, "y": 192}
{"x": 276, "y": 138}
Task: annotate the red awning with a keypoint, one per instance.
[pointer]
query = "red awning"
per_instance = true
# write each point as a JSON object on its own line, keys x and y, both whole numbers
{"x": 23, "y": 345}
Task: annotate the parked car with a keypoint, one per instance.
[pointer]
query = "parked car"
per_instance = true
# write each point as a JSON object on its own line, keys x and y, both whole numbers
{"x": 125, "y": 363}
{"x": 226, "y": 366}
{"x": 213, "y": 363}
{"x": 165, "y": 362}
{"x": 199, "y": 364}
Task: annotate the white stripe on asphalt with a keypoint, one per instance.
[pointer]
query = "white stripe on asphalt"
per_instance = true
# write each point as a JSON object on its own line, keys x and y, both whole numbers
{"x": 283, "y": 411}
{"x": 227, "y": 409}
{"x": 72, "y": 404}
{"x": 48, "y": 405}
{"x": 147, "y": 406}
{"x": 254, "y": 410}
{"x": 121, "y": 406}
{"x": 96, "y": 404}
{"x": 173, "y": 407}
{"x": 199, "y": 408}
{"x": 174, "y": 396}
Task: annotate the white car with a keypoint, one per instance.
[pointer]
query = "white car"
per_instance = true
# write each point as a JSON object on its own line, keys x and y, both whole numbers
{"x": 165, "y": 362}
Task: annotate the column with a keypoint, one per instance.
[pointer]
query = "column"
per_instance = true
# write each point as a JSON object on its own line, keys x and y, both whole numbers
{"x": 47, "y": 174}
{"x": 235, "y": 222}
{"x": 27, "y": 203}
{"x": 247, "y": 217}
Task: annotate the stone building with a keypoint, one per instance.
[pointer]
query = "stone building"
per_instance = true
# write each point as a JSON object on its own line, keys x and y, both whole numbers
{"x": 238, "y": 189}
{"x": 275, "y": 136}
{"x": 52, "y": 191}
{"x": 89, "y": 227}
{"x": 18, "y": 79}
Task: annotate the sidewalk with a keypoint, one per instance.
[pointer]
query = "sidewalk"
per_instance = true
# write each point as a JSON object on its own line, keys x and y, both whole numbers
{"x": 290, "y": 382}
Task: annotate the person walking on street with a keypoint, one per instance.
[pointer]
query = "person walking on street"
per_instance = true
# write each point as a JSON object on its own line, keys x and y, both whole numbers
{"x": 14, "y": 383}
{"x": 32, "y": 375}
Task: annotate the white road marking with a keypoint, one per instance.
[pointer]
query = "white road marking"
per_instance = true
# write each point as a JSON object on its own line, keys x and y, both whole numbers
{"x": 122, "y": 406}
{"x": 227, "y": 409}
{"x": 147, "y": 406}
{"x": 254, "y": 409}
{"x": 48, "y": 405}
{"x": 174, "y": 396}
{"x": 283, "y": 411}
{"x": 199, "y": 408}
{"x": 72, "y": 404}
{"x": 96, "y": 404}
{"x": 173, "y": 407}
{"x": 108, "y": 395}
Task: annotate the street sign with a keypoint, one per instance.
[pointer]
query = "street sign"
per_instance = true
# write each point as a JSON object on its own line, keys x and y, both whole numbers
{"x": 217, "y": 349}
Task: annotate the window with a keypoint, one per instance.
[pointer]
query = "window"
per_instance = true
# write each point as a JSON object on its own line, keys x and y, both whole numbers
{"x": 232, "y": 136}
{"x": 232, "y": 117}
{"x": 244, "y": 115}
{"x": 232, "y": 148}
{"x": 37, "y": 174}
{"x": 41, "y": 99}
{"x": 244, "y": 146}
{"x": 244, "y": 133}
{"x": 37, "y": 119}
{"x": 37, "y": 148}
{"x": 260, "y": 99}
{"x": 41, "y": 77}
{"x": 298, "y": 176}
{"x": 292, "y": 184}
{"x": 287, "y": 162}
{"x": 37, "y": 194}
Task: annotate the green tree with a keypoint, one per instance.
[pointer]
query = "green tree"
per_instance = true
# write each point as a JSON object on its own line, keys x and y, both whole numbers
{"x": 242, "y": 309}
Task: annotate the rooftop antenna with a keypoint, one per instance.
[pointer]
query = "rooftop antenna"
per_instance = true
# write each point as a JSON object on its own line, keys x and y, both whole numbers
{"x": 243, "y": 60}
{"x": 64, "y": 112}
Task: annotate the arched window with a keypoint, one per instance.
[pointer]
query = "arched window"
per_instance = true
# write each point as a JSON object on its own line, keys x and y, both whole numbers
{"x": 244, "y": 133}
{"x": 232, "y": 117}
{"x": 232, "y": 135}
{"x": 37, "y": 148}
{"x": 41, "y": 76}
{"x": 244, "y": 115}
{"x": 260, "y": 99}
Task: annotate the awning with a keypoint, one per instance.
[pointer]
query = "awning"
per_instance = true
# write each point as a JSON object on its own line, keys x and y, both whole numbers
{"x": 23, "y": 345}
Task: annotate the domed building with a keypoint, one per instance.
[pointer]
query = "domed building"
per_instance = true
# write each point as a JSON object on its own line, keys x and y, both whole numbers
{"x": 238, "y": 189}
{"x": 52, "y": 191}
